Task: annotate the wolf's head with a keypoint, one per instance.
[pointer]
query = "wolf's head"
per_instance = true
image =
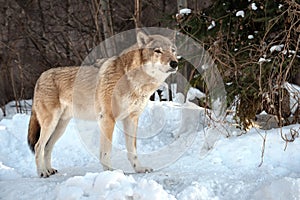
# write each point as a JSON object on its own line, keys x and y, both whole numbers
{"x": 158, "y": 54}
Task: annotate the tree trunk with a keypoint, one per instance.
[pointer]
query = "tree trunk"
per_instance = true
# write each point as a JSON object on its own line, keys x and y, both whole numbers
{"x": 106, "y": 17}
{"x": 137, "y": 13}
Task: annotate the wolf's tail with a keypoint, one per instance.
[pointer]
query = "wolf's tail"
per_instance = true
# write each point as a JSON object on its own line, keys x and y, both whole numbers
{"x": 33, "y": 131}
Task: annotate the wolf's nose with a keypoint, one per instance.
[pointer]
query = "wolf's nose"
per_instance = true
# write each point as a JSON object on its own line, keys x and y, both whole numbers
{"x": 173, "y": 64}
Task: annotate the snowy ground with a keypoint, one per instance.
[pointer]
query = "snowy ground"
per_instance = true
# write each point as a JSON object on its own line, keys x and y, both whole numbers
{"x": 229, "y": 171}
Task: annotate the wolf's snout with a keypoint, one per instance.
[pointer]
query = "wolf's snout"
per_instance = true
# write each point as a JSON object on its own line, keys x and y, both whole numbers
{"x": 173, "y": 64}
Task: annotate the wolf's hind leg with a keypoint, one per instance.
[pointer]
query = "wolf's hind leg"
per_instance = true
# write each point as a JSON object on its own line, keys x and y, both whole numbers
{"x": 130, "y": 128}
{"x": 59, "y": 130}
{"x": 48, "y": 125}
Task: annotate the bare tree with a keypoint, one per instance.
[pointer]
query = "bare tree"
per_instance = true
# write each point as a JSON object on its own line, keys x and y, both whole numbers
{"x": 37, "y": 35}
{"x": 137, "y": 13}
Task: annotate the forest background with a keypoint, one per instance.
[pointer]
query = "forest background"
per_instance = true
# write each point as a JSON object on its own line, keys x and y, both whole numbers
{"x": 255, "y": 44}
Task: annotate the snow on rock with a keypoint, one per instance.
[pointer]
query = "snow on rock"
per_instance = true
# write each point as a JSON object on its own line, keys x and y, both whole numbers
{"x": 250, "y": 37}
{"x": 110, "y": 185}
{"x": 240, "y": 13}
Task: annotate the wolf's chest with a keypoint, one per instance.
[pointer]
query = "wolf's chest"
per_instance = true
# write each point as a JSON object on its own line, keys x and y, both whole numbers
{"x": 130, "y": 103}
{"x": 131, "y": 94}
{"x": 136, "y": 101}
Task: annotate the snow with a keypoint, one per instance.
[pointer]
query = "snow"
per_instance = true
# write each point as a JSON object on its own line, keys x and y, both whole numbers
{"x": 229, "y": 170}
{"x": 250, "y": 37}
{"x": 253, "y": 6}
{"x": 294, "y": 91}
{"x": 276, "y": 48}
{"x": 280, "y": 6}
{"x": 240, "y": 13}
{"x": 286, "y": 185}
{"x": 205, "y": 66}
{"x": 185, "y": 11}
{"x": 196, "y": 191}
{"x": 193, "y": 93}
{"x": 261, "y": 60}
{"x": 212, "y": 25}
{"x": 110, "y": 185}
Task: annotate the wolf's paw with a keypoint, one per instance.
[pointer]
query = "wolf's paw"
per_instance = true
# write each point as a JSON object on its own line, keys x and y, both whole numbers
{"x": 52, "y": 171}
{"x": 47, "y": 172}
{"x": 143, "y": 169}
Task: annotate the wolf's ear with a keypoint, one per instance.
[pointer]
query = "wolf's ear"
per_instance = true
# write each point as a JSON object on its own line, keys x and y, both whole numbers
{"x": 142, "y": 39}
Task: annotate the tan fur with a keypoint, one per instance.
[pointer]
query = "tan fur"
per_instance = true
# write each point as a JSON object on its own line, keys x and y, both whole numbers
{"x": 118, "y": 90}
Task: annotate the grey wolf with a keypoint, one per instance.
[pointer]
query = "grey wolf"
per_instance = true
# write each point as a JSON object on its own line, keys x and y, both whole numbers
{"x": 118, "y": 90}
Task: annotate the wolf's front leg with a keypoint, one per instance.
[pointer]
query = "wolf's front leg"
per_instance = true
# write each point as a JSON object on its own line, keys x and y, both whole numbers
{"x": 130, "y": 128}
{"x": 106, "y": 125}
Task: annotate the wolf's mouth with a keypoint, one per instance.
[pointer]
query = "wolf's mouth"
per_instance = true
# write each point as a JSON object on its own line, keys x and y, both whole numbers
{"x": 172, "y": 70}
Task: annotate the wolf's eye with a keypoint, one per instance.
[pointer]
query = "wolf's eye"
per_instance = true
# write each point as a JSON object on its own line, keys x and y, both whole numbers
{"x": 157, "y": 51}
